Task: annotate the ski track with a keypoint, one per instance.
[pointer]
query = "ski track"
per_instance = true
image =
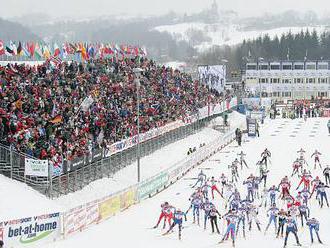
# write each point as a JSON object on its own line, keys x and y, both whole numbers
{"x": 283, "y": 137}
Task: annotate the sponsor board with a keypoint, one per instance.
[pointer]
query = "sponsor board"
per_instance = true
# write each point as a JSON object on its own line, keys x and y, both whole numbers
{"x": 34, "y": 167}
{"x": 109, "y": 207}
{"x": 151, "y": 186}
{"x": 31, "y": 230}
{"x": 80, "y": 217}
{"x": 127, "y": 199}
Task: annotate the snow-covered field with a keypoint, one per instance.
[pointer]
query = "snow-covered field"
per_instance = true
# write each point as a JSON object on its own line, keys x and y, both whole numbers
{"x": 283, "y": 137}
{"x": 227, "y": 34}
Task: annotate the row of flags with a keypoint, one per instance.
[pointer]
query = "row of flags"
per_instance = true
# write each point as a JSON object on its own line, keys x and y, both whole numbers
{"x": 82, "y": 50}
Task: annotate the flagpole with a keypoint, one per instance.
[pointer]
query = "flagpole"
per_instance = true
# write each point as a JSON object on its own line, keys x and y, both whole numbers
{"x": 137, "y": 72}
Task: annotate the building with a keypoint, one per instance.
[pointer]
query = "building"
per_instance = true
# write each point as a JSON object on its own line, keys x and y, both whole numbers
{"x": 283, "y": 80}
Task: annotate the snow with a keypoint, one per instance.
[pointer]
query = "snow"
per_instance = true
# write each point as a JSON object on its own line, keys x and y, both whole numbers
{"x": 174, "y": 154}
{"x": 231, "y": 34}
{"x": 19, "y": 200}
{"x": 132, "y": 228}
{"x": 15, "y": 193}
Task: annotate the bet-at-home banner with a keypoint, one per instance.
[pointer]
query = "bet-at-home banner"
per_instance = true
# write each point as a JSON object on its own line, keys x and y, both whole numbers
{"x": 31, "y": 230}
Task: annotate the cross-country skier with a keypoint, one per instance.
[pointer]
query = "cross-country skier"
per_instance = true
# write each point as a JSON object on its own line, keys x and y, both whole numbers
{"x": 166, "y": 213}
{"x": 264, "y": 156}
{"x": 285, "y": 186}
{"x": 305, "y": 195}
{"x": 214, "y": 187}
{"x": 196, "y": 203}
{"x": 201, "y": 178}
{"x": 242, "y": 160}
{"x": 178, "y": 218}
{"x": 205, "y": 189}
{"x": 316, "y": 156}
{"x": 322, "y": 194}
{"x": 272, "y": 194}
{"x": 291, "y": 226}
{"x": 263, "y": 175}
{"x": 296, "y": 166}
{"x": 223, "y": 180}
{"x": 213, "y": 219}
{"x": 326, "y": 173}
{"x": 315, "y": 182}
{"x": 250, "y": 188}
{"x": 206, "y": 206}
{"x": 253, "y": 214}
{"x": 232, "y": 219}
{"x": 314, "y": 224}
{"x": 304, "y": 213}
{"x": 241, "y": 213}
{"x": 305, "y": 179}
{"x": 272, "y": 213}
{"x": 281, "y": 222}
{"x": 234, "y": 172}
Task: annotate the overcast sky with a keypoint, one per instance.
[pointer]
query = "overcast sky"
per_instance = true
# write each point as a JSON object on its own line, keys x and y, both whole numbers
{"x": 88, "y": 8}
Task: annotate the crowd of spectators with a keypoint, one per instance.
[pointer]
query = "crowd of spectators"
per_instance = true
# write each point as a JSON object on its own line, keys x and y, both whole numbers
{"x": 41, "y": 111}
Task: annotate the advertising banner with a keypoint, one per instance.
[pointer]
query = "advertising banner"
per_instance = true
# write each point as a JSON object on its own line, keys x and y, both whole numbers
{"x": 109, "y": 207}
{"x": 32, "y": 230}
{"x": 80, "y": 217}
{"x": 151, "y": 186}
{"x": 127, "y": 199}
{"x": 34, "y": 167}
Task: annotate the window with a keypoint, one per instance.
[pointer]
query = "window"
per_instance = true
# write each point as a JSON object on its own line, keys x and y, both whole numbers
{"x": 322, "y": 66}
{"x": 274, "y": 80}
{"x": 310, "y": 66}
{"x": 287, "y": 67}
{"x": 263, "y": 67}
{"x": 311, "y": 80}
{"x": 263, "y": 80}
{"x": 298, "y": 80}
{"x": 322, "y": 80}
{"x": 251, "y": 67}
{"x": 286, "y": 81}
{"x": 274, "y": 67}
{"x": 322, "y": 94}
{"x": 299, "y": 67}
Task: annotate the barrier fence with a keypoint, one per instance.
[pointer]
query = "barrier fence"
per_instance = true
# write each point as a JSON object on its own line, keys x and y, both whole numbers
{"x": 51, "y": 227}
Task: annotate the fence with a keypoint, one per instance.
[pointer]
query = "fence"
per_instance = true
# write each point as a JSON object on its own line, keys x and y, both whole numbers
{"x": 55, "y": 226}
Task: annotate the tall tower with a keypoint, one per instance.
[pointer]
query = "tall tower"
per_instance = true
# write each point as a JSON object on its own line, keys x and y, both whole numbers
{"x": 214, "y": 11}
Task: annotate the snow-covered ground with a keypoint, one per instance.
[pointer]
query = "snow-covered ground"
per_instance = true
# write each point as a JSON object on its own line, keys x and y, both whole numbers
{"x": 18, "y": 194}
{"x": 220, "y": 34}
{"x": 283, "y": 137}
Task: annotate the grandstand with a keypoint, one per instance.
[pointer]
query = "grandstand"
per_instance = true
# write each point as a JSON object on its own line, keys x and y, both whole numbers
{"x": 73, "y": 115}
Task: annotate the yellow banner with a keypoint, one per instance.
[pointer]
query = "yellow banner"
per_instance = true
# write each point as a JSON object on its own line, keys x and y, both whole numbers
{"x": 127, "y": 199}
{"x": 109, "y": 207}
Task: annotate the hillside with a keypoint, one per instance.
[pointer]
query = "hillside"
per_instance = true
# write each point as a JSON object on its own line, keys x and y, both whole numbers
{"x": 14, "y": 31}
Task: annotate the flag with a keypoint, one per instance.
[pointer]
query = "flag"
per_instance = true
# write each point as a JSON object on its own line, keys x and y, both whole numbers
{"x": 91, "y": 51}
{"x": 56, "y": 119}
{"x": 19, "y": 49}
{"x": 56, "y": 50}
{"x": 56, "y": 61}
{"x": 9, "y": 50}
{"x": 31, "y": 48}
{"x": 26, "y": 52}
{"x": 64, "y": 52}
{"x": 38, "y": 52}
{"x": 83, "y": 51}
{"x": 14, "y": 48}
{"x": 2, "y": 48}
{"x": 46, "y": 52}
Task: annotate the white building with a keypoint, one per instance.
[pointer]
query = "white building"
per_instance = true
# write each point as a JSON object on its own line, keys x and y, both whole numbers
{"x": 285, "y": 80}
